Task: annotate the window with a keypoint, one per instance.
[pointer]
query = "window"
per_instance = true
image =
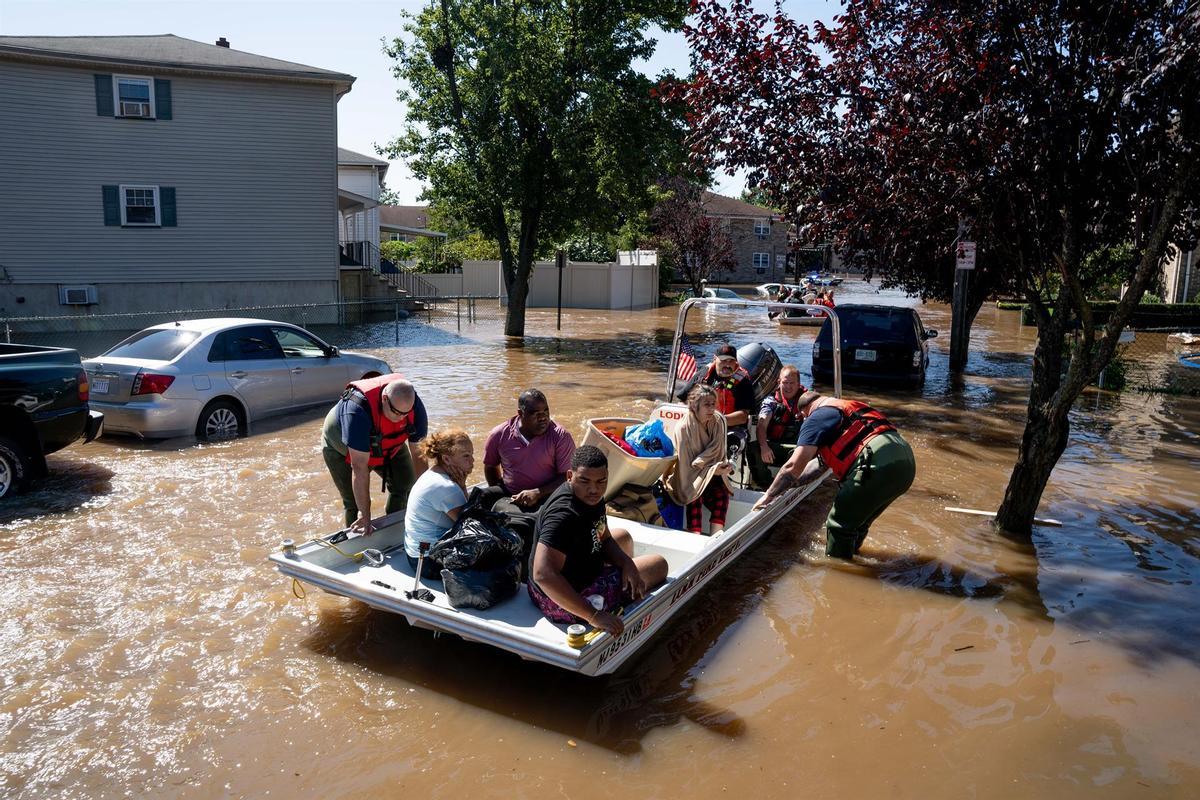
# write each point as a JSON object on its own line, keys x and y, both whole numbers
{"x": 761, "y": 262}
{"x": 135, "y": 96}
{"x": 245, "y": 344}
{"x": 298, "y": 345}
{"x": 139, "y": 205}
{"x": 155, "y": 344}
{"x": 762, "y": 227}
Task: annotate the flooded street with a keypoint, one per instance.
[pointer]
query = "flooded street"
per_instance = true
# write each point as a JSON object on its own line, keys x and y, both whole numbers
{"x": 148, "y": 648}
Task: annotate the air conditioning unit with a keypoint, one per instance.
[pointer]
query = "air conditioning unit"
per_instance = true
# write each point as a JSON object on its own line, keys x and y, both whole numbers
{"x": 129, "y": 109}
{"x": 78, "y": 295}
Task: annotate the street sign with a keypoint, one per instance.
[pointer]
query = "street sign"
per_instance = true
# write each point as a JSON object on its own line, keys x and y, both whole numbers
{"x": 965, "y": 256}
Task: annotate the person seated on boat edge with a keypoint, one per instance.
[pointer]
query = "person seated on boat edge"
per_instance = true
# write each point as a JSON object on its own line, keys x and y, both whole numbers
{"x": 524, "y": 460}
{"x": 438, "y": 496}
{"x": 697, "y": 478}
{"x": 576, "y": 554}
{"x": 777, "y": 427}
{"x": 374, "y": 427}
{"x": 867, "y": 455}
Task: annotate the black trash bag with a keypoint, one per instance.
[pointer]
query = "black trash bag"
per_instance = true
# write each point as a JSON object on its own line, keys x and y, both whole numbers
{"x": 481, "y": 588}
{"x": 479, "y": 540}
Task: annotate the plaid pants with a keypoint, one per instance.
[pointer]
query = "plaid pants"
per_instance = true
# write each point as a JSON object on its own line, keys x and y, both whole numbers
{"x": 716, "y": 498}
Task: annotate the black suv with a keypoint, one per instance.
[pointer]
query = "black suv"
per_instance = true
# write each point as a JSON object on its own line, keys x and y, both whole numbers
{"x": 879, "y": 343}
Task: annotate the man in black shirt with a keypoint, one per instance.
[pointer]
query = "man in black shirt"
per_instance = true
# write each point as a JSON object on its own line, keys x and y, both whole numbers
{"x": 576, "y": 556}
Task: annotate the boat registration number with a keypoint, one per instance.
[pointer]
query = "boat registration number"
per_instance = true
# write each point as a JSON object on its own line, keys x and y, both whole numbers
{"x": 100, "y": 385}
{"x": 864, "y": 355}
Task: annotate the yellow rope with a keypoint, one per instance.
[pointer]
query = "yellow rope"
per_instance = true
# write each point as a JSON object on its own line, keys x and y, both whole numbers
{"x": 334, "y": 547}
{"x": 298, "y": 589}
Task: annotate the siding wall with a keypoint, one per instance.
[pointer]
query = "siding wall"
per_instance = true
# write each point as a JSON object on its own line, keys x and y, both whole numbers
{"x": 253, "y": 164}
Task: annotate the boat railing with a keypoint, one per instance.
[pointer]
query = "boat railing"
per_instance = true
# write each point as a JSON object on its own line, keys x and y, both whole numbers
{"x": 769, "y": 305}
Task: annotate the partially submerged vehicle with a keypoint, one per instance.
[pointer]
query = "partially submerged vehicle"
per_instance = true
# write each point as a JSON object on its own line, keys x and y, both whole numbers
{"x": 375, "y": 570}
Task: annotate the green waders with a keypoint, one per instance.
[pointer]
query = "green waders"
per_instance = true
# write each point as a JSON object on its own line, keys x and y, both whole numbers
{"x": 882, "y": 472}
{"x": 398, "y": 473}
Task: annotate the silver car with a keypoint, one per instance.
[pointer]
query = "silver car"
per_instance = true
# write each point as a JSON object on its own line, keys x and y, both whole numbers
{"x": 214, "y": 377}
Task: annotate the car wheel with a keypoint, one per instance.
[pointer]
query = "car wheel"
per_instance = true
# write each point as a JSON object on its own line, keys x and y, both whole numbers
{"x": 14, "y": 468}
{"x": 220, "y": 420}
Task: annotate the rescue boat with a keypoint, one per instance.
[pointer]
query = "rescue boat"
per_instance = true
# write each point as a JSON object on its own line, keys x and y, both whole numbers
{"x": 375, "y": 570}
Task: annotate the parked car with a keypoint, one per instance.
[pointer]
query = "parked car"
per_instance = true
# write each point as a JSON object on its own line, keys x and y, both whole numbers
{"x": 770, "y": 291}
{"x": 722, "y": 294}
{"x": 879, "y": 343}
{"x": 43, "y": 408}
{"x": 215, "y": 377}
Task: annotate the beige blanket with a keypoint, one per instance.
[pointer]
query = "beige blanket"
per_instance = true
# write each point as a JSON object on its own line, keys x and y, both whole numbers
{"x": 700, "y": 449}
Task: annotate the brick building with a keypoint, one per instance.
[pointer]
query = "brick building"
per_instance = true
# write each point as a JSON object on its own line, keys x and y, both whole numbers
{"x": 760, "y": 239}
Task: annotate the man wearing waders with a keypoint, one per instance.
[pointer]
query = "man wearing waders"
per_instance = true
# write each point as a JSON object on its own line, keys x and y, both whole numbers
{"x": 374, "y": 428}
{"x": 867, "y": 455}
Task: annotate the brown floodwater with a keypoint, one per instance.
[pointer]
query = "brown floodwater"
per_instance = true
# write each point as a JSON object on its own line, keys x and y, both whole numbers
{"x": 147, "y": 648}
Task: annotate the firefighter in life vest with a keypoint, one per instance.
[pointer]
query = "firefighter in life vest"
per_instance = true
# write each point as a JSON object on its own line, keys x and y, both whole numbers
{"x": 867, "y": 455}
{"x": 777, "y": 427}
{"x": 375, "y": 427}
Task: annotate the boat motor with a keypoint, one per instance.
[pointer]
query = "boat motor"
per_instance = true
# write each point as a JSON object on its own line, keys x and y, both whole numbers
{"x": 762, "y": 364}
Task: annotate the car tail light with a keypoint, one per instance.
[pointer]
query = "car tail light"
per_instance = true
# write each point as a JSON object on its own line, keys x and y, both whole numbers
{"x": 85, "y": 388}
{"x": 151, "y": 383}
{"x": 916, "y": 358}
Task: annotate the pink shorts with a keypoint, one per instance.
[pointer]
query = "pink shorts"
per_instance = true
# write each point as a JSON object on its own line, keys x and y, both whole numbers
{"x": 607, "y": 585}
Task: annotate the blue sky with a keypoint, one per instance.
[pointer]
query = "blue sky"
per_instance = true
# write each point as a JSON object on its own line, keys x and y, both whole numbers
{"x": 342, "y": 35}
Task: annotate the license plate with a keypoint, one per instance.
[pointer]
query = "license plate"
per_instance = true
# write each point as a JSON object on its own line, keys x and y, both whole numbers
{"x": 864, "y": 355}
{"x": 100, "y": 385}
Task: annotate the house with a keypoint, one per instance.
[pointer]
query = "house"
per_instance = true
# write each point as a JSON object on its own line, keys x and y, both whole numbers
{"x": 155, "y": 172}
{"x": 760, "y": 239}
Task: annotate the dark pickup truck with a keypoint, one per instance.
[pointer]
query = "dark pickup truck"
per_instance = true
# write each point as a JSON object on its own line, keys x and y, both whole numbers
{"x": 43, "y": 408}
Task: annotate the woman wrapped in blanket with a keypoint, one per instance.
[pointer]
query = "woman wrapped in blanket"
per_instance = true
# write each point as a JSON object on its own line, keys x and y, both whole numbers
{"x": 698, "y": 479}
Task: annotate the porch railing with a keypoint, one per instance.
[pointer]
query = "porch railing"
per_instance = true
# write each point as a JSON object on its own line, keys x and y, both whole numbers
{"x": 367, "y": 255}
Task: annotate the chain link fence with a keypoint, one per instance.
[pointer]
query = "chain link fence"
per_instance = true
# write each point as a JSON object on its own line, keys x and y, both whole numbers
{"x": 1155, "y": 361}
{"x": 445, "y": 311}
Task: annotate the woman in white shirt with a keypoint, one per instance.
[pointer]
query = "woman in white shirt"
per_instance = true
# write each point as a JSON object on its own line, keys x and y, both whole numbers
{"x": 438, "y": 496}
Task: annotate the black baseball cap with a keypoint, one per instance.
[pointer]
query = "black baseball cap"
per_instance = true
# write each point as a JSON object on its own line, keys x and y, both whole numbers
{"x": 726, "y": 350}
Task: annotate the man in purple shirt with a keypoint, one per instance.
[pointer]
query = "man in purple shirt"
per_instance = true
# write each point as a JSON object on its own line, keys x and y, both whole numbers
{"x": 525, "y": 459}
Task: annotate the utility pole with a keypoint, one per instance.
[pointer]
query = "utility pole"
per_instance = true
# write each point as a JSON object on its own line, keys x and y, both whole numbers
{"x": 960, "y": 329}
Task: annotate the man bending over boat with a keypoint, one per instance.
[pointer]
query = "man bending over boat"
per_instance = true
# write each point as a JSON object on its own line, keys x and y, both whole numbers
{"x": 867, "y": 455}
{"x": 576, "y": 555}
{"x": 375, "y": 427}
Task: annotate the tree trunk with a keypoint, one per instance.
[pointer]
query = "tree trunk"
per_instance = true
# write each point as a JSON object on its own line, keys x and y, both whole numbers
{"x": 1044, "y": 439}
{"x": 518, "y": 290}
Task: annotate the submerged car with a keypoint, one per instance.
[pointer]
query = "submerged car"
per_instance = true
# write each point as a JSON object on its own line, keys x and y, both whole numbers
{"x": 879, "y": 343}
{"x": 215, "y": 377}
{"x": 722, "y": 294}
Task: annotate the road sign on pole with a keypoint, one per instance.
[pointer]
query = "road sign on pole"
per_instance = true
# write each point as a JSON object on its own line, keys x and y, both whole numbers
{"x": 965, "y": 256}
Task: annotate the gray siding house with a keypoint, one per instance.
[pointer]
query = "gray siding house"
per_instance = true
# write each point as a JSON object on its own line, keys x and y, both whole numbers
{"x": 155, "y": 173}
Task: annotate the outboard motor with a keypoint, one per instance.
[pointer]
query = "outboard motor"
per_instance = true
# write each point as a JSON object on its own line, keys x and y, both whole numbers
{"x": 762, "y": 363}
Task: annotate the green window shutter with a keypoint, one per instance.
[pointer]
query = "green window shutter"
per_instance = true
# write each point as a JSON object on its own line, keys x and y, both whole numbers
{"x": 162, "y": 98}
{"x": 104, "y": 96}
{"x": 112, "y": 205}
{"x": 166, "y": 197}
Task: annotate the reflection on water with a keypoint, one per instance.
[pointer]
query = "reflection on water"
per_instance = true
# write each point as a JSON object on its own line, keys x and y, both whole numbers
{"x": 148, "y": 649}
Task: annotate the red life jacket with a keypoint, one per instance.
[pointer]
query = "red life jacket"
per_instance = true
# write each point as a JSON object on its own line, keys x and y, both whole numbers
{"x": 860, "y": 424}
{"x": 784, "y": 417}
{"x": 724, "y": 387}
{"x": 387, "y": 437}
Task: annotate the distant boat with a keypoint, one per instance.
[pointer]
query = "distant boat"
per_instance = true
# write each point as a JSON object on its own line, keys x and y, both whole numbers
{"x": 1190, "y": 360}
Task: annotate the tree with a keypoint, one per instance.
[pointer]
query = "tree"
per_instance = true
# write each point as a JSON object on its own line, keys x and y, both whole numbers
{"x": 693, "y": 241}
{"x": 529, "y": 121}
{"x": 1043, "y": 130}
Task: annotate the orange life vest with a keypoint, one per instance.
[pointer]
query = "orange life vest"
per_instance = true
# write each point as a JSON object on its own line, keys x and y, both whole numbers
{"x": 724, "y": 387}
{"x": 387, "y": 437}
{"x": 860, "y": 424}
{"x": 784, "y": 417}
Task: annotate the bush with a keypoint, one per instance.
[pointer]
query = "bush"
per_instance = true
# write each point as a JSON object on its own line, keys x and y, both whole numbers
{"x": 398, "y": 252}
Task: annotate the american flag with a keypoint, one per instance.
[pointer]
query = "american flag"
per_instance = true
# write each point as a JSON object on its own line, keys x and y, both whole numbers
{"x": 686, "y": 367}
